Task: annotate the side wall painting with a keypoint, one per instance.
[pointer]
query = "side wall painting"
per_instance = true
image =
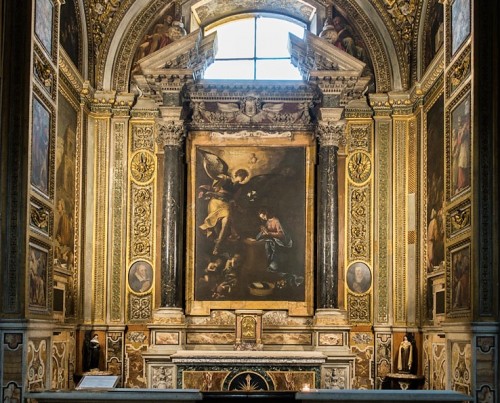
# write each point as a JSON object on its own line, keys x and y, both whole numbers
{"x": 38, "y": 261}
{"x": 460, "y": 147}
{"x": 44, "y": 16}
{"x": 435, "y": 185}
{"x": 460, "y": 23}
{"x": 70, "y": 32}
{"x": 433, "y": 32}
{"x": 40, "y": 159}
{"x": 65, "y": 186}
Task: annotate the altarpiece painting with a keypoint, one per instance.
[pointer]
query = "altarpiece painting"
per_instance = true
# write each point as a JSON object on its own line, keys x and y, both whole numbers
{"x": 250, "y": 223}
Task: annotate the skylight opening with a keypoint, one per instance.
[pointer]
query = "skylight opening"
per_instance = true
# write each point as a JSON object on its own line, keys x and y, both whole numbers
{"x": 254, "y": 48}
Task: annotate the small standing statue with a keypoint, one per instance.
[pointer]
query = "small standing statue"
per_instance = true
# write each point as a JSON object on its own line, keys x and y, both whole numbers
{"x": 91, "y": 352}
{"x": 405, "y": 357}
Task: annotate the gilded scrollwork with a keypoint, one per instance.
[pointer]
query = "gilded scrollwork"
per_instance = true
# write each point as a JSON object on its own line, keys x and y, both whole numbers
{"x": 141, "y": 237}
{"x": 142, "y": 137}
{"x": 359, "y": 137}
{"x": 41, "y": 217}
{"x": 142, "y": 166}
{"x": 459, "y": 219}
{"x": 358, "y": 308}
{"x": 140, "y": 307}
{"x": 359, "y": 223}
{"x": 359, "y": 167}
{"x": 118, "y": 211}
{"x": 459, "y": 72}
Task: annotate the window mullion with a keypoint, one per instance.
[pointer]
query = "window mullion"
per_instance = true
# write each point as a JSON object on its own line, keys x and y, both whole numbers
{"x": 255, "y": 49}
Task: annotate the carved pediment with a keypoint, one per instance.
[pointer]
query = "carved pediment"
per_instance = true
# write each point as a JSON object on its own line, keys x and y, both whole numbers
{"x": 165, "y": 71}
{"x": 337, "y": 73}
{"x": 313, "y": 54}
{"x": 192, "y": 52}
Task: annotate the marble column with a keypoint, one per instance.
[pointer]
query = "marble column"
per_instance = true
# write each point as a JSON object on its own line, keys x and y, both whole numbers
{"x": 171, "y": 136}
{"x": 329, "y": 136}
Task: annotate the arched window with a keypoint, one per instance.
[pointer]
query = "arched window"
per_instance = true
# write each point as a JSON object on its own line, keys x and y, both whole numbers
{"x": 254, "y": 48}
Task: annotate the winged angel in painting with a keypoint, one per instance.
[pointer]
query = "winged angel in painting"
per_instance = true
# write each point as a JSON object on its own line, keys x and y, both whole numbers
{"x": 241, "y": 241}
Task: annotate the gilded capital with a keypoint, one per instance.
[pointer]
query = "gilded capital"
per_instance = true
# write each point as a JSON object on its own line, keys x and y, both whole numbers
{"x": 169, "y": 133}
{"x": 331, "y": 134}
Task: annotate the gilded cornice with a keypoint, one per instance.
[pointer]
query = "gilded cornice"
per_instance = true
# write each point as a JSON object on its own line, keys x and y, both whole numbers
{"x": 69, "y": 71}
{"x": 401, "y": 103}
{"x": 380, "y": 104}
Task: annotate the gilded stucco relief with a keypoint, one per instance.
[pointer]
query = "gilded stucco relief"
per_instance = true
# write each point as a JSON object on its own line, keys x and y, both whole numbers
{"x": 142, "y": 196}
{"x": 359, "y": 275}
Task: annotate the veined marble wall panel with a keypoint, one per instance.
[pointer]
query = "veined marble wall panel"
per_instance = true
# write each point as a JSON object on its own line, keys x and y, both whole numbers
{"x": 211, "y": 338}
{"x": 12, "y": 369}
{"x": 287, "y": 338}
{"x": 114, "y": 352}
{"x": 204, "y": 380}
{"x": 136, "y": 344}
{"x": 362, "y": 345}
{"x": 383, "y": 351}
{"x": 485, "y": 366}
{"x": 438, "y": 366}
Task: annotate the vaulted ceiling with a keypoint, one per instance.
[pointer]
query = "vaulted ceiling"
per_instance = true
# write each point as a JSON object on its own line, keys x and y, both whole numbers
{"x": 389, "y": 28}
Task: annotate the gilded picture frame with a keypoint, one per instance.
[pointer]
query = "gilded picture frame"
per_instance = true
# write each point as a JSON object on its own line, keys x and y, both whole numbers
{"x": 42, "y": 139}
{"x": 459, "y": 144}
{"x": 459, "y": 279}
{"x": 460, "y": 21}
{"x": 39, "y": 276}
{"x": 435, "y": 178}
{"x": 44, "y": 18}
{"x": 250, "y": 223}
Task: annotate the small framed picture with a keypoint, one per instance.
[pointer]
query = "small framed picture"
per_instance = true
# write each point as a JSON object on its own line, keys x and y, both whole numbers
{"x": 460, "y": 23}
{"x": 38, "y": 267}
{"x": 359, "y": 277}
{"x": 40, "y": 147}
{"x": 140, "y": 277}
{"x": 460, "y": 278}
{"x": 460, "y": 147}
{"x": 44, "y": 17}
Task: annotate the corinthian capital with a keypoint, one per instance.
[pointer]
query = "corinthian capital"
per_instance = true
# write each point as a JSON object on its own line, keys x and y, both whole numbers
{"x": 169, "y": 133}
{"x": 331, "y": 133}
